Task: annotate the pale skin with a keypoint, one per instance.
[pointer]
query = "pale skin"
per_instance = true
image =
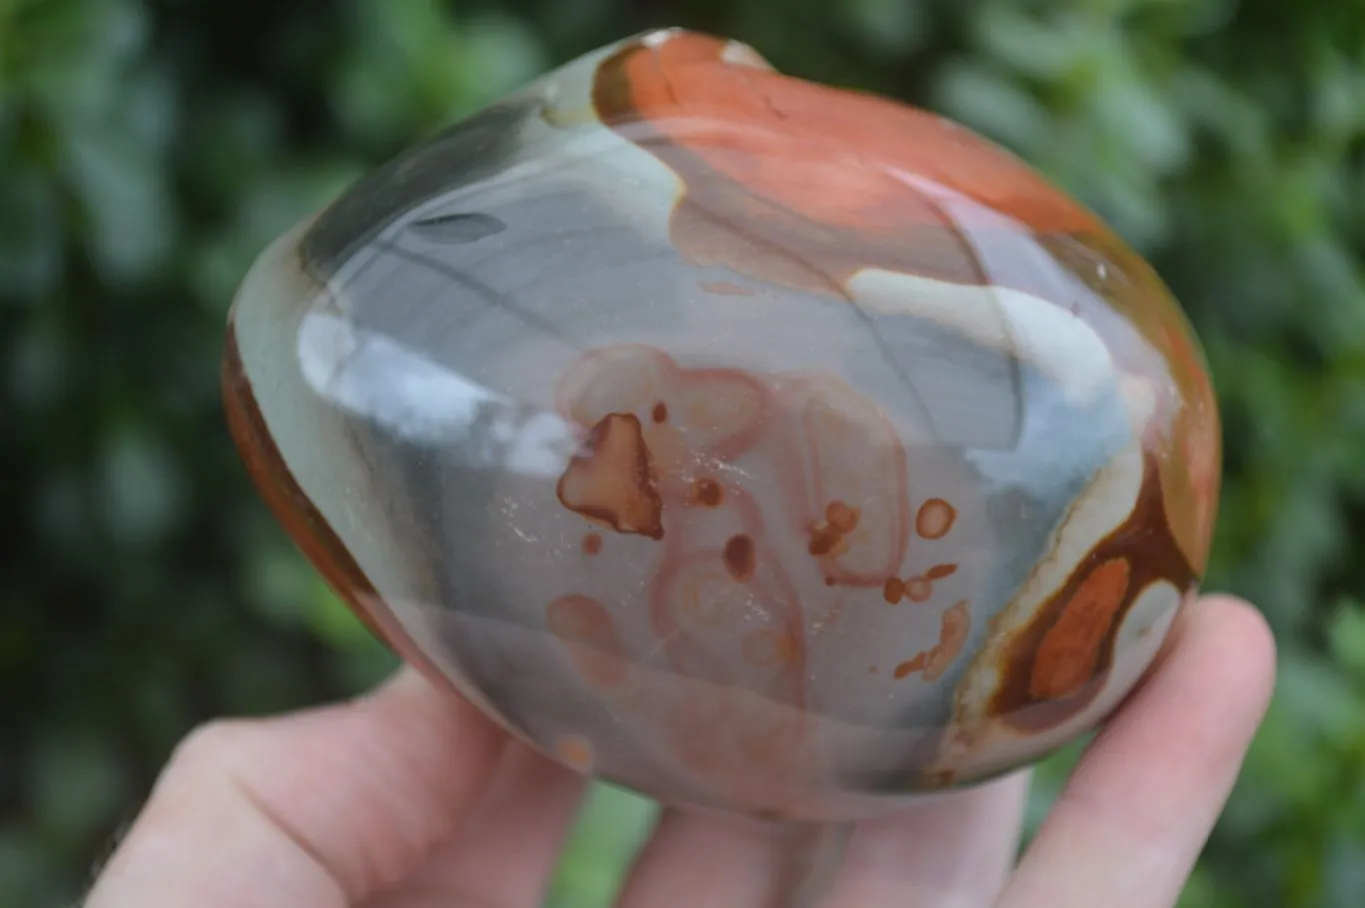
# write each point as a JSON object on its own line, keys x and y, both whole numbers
{"x": 409, "y": 798}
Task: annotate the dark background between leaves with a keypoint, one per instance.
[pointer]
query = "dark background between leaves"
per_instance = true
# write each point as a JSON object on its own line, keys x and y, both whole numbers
{"x": 148, "y": 150}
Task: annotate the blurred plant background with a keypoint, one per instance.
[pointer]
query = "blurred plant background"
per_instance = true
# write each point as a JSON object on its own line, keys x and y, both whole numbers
{"x": 150, "y": 148}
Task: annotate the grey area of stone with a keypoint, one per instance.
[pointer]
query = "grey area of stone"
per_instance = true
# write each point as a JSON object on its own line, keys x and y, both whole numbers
{"x": 461, "y": 289}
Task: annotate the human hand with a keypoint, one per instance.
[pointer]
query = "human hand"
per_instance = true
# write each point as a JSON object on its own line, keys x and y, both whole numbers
{"x": 410, "y": 798}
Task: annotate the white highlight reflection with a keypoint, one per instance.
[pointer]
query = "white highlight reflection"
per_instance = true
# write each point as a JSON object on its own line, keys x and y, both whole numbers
{"x": 417, "y": 400}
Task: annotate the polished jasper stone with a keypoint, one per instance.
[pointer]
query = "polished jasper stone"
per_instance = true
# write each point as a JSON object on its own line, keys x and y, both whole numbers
{"x": 746, "y": 441}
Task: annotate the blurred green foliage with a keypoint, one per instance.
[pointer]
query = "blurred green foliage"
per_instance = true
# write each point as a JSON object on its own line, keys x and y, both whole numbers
{"x": 150, "y": 148}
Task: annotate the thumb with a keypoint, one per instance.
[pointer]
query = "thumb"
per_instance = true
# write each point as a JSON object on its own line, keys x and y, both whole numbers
{"x": 312, "y": 809}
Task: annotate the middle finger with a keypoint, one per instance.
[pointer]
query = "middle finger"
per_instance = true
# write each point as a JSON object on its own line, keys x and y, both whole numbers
{"x": 953, "y": 851}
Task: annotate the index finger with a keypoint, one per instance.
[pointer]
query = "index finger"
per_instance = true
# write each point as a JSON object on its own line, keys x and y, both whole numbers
{"x": 1136, "y": 812}
{"x": 314, "y": 809}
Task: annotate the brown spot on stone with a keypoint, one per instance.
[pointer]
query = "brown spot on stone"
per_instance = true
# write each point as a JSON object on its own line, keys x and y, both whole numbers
{"x": 893, "y": 590}
{"x": 823, "y": 540}
{"x": 592, "y": 544}
{"x": 660, "y": 412}
{"x": 587, "y": 631}
{"x": 829, "y": 537}
{"x": 739, "y": 557}
{"x": 939, "y": 571}
{"x": 707, "y": 492}
{"x": 935, "y": 518}
{"x": 611, "y": 481}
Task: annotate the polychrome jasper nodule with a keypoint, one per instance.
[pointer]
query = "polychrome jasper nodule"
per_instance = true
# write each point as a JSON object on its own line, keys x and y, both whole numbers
{"x": 747, "y": 442}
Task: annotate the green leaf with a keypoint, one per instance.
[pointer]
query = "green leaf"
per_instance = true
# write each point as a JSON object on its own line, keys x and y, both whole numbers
{"x": 31, "y": 238}
{"x": 142, "y": 492}
{"x": 993, "y": 104}
{"x": 892, "y": 28}
{"x": 75, "y": 781}
{"x": 129, "y": 215}
{"x": 1346, "y": 636}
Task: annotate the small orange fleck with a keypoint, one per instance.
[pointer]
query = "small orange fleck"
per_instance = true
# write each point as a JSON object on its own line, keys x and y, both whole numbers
{"x": 840, "y": 516}
{"x": 739, "y": 557}
{"x": 952, "y": 635}
{"x": 918, "y": 589}
{"x": 586, "y": 629}
{"x": 1069, "y": 653}
{"x": 830, "y": 581}
{"x": 768, "y": 647}
{"x": 612, "y": 480}
{"x": 935, "y": 518}
{"x": 660, "y": 412}
{"x": 592, "y": 544}
{"x": 905, "y": 669}
{"x": 707, "y": 492}
{"x": 872, "y": 669}
{"x": 893, "y": 590}
{"x": 939, "y": 571}
{"x": 575, "y": 752}
{"x": 823, "y": 540}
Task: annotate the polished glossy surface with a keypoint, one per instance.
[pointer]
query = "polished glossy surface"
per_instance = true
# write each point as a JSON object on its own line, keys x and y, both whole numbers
{"x": 745, "y": 441}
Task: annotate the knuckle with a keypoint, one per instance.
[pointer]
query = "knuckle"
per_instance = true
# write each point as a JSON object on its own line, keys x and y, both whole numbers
{"x": 210, "y": 744}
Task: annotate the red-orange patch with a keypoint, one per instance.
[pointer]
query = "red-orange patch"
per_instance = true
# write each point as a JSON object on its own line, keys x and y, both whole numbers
{"x": 1071, "y": 650}
{"x": 775, "y": 136}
